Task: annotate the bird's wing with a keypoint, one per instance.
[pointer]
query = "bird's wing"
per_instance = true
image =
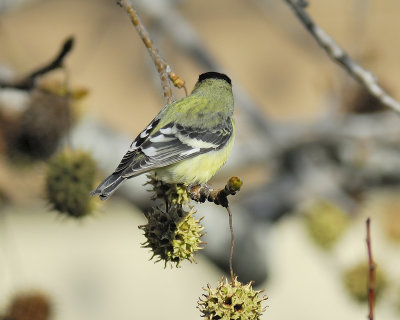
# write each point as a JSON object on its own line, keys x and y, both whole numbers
{"x": 171, "y": 144}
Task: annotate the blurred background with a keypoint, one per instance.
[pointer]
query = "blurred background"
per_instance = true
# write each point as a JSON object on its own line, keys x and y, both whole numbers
{"x": 316, "y": 153}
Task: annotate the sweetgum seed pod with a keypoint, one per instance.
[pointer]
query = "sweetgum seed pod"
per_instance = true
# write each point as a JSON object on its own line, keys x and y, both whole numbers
{"x": 29, "y": 306}
{"x": 70, "y": 177}
{"x": 172, "y": 236}
{"x": 356, "y": 282}
{"x": 234, "y": 301}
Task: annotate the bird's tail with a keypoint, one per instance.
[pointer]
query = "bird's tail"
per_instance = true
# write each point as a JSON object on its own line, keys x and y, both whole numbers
{"x": 108, "y": 186}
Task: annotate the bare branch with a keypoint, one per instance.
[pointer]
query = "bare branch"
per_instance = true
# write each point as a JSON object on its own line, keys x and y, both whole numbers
{"x": 204, "y": 192}
{"x": 201, "y": 193}
{"x": 28, "y": 83}
{"x": 338, "y": 55}
{"x": 219, "y": 197}
{"x": 232, "y": 245}
{"x": 371, "y": 278}
{"x": 163, "y": 68}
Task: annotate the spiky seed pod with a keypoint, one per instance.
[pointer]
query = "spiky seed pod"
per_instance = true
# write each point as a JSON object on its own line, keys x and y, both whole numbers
{"x": 231, "y": 301}
{"x": 173, "y": 236}
{"x": 40, "y": 127}
{"x": 171, "y": 193}
{"x": 326, "y": 223}
{"x": 356, "y": 281}
{"x": 29, "y": 306}
{"x": 70, "y": 177}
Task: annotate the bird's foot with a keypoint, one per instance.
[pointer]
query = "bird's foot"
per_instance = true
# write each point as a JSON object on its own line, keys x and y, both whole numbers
{"x": 199, "y": 192}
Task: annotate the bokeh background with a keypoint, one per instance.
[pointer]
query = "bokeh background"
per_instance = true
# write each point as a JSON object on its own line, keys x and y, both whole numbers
{"x": 316, "y": 153}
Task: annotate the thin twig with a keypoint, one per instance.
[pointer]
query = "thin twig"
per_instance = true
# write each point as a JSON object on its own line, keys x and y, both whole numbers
{"x": 338, "y": 55}
{"x": 232, "y": 245}
{"x": 163, "y": 68}
{"x": 371, "y": 278}
{"x": 204, "y": 192}
{"x": 28, "y": 83}
{"x": 201, "y": 193}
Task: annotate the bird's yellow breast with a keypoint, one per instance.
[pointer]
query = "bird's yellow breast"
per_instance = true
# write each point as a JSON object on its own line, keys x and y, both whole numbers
{"x": 199, "y": 169}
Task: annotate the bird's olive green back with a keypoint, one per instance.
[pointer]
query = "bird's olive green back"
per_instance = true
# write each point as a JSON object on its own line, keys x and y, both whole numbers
{"x": 210, "y": 101}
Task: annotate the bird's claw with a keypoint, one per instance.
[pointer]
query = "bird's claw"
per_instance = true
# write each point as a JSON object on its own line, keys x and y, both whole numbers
{"x": 199, "y": 192}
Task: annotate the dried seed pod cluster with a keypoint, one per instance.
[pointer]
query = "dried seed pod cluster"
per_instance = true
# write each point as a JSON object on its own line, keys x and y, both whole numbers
{"x": 37, "y": 131}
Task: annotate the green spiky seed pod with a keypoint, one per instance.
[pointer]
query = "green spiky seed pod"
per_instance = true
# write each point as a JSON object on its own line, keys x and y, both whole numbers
{"x": 231, "y": 301}
{"x": 173, "y": 236}
{"x": 29, "y": 306}
{"x": 70, "y": 177}
{"x": 171, "y": 193}
{"x": 325, "y": 223}
{"x": 356, "y": 282}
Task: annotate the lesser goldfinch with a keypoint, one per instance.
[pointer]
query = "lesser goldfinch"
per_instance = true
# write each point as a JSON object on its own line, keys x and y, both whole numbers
{"x": 187, "y": 142}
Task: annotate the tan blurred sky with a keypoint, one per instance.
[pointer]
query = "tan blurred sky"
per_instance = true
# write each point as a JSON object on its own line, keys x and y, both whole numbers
{"x": 266, "y": 51}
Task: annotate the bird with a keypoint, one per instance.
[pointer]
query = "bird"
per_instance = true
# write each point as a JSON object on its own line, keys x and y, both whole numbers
{"x": 187, "y": 142}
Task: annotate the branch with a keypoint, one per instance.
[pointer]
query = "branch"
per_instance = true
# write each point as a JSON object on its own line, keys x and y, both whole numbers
{"x": 371, "y": 279}
{"x": 28, "y": 83}
{"x": 232, "y": 245}
{"x": 338, "y": 55}
{"x": 163, "y": 68}
{"x": 204, "y": 192}
{"x": 201, "y": 193}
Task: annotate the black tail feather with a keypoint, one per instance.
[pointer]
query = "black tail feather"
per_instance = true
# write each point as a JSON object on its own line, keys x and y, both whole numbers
{"x": 108, "y": 186}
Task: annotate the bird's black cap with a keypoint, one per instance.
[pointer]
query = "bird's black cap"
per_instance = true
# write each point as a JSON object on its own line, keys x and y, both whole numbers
{"x": 214, "y": 75}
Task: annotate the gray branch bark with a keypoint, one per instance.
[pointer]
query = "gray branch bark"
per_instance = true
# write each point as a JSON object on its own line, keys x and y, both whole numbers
{"x": 338, "y": 55}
